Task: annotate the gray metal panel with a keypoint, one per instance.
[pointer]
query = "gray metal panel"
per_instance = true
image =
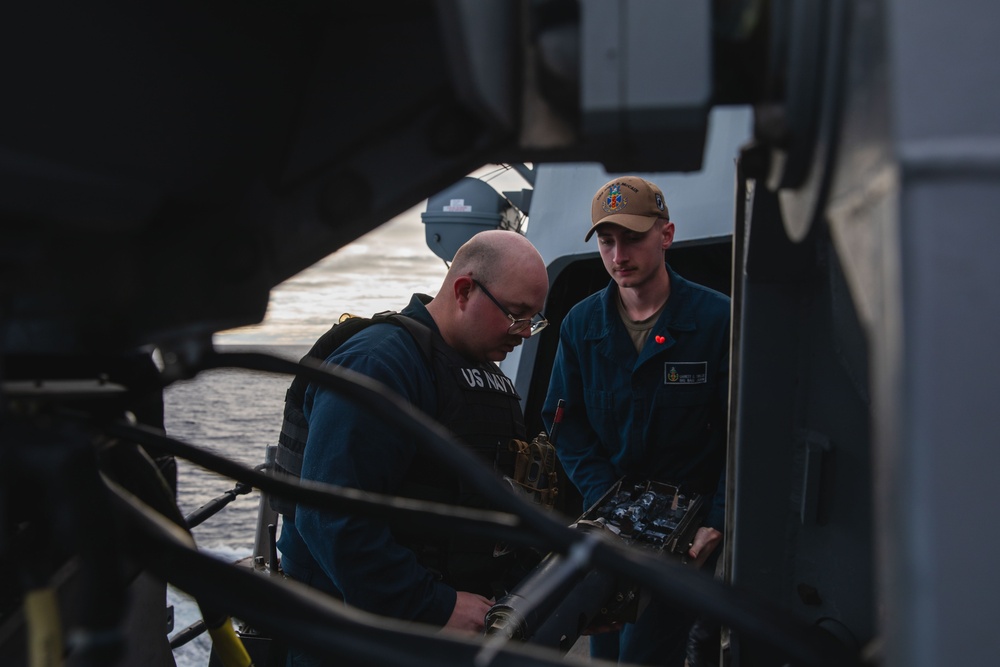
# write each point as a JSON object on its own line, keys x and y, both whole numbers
{"x": 913, "y": 220}
{"x": 941, "y": 472}
{"x": 938, "y": 460}
{"x": 646, "y": 79}
{"x": 800, "y": 507}
{"x": 645, "y": 55}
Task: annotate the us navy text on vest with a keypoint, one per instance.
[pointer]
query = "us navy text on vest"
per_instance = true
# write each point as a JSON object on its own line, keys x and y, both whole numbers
{"x": 480, "y": 378}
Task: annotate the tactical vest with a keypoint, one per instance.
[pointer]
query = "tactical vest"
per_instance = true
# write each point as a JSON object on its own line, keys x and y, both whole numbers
{"x": 476, "y": 402}
{"x": 294, "y": 427}
{"x": 481, "y": 407}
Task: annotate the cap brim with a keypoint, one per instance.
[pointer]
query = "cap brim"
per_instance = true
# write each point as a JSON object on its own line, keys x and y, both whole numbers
{"x": 636, "y": 223}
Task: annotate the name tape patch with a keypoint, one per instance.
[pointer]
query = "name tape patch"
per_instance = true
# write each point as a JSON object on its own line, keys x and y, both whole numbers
{"x": 685, "y": 372}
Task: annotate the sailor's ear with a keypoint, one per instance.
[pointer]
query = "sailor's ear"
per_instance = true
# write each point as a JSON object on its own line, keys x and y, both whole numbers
{"x": 463, "y": 289}
{"x": 668, "y": 235}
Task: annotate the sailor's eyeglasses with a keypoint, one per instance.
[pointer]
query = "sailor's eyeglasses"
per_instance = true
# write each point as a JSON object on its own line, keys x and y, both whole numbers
{"x": 517, "y": 325}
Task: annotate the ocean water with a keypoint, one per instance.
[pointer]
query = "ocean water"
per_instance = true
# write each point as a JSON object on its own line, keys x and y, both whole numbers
{"x": 236, "y": 414}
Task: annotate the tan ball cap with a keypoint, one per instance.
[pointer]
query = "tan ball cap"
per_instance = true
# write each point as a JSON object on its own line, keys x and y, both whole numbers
{"x": 629, "y": 201}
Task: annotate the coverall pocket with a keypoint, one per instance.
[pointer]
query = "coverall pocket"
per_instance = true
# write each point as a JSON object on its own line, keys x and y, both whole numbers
{"x": 680, "y": 396}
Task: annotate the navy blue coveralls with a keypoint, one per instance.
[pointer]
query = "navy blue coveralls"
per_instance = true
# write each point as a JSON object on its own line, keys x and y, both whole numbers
{"x": 657, "y": 414}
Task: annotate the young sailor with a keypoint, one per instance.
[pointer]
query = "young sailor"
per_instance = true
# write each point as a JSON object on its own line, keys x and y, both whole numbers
{"x": 643, "y": 367}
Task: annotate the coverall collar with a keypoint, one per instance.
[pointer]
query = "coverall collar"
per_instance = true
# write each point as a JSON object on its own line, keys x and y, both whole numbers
{"x": 677, "y": 315}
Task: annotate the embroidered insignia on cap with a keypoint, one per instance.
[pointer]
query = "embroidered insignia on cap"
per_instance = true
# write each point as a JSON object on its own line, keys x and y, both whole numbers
{"x": 659, "y": 200}
{"x": 615, "y": 201}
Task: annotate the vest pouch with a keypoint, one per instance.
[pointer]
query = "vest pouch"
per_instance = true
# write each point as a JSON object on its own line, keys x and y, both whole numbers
{"x": 535, "y": 477}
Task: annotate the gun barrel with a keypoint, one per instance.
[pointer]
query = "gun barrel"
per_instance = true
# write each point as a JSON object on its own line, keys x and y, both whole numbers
{"x": 553, "y": 605}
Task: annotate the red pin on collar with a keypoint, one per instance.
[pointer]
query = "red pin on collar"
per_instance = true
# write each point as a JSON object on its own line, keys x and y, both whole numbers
{"x": 661, "y": 339}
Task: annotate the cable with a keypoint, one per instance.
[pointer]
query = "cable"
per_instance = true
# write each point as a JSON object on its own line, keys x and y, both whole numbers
{"x": 803, "y": 643}
{"x": 385, "y": 403}
{"x": 396, "y": 511}
{"x": 518, "y": 522}
{"x": 298, "y": 613}
{"x": 127, "y": 464}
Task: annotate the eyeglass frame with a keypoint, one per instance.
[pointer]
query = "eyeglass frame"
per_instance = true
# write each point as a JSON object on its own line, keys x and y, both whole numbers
{"x": 529, "y": 322}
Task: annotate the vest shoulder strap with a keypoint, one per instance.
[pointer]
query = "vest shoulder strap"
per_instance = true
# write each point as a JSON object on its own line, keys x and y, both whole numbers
{"x": 294, "y": 427}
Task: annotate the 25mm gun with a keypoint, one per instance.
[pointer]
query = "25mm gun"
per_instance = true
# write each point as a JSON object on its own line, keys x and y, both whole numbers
{"x": 552, "y": 609}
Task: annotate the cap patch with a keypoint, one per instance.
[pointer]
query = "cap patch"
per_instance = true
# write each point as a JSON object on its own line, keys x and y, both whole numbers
{"x": 615, "y": 201}
{"x": 659, "y": 201}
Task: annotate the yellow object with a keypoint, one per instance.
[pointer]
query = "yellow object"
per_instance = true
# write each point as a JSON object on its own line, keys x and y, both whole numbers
{"x": 228, "y": 646}
{"x": 41, "y": 612}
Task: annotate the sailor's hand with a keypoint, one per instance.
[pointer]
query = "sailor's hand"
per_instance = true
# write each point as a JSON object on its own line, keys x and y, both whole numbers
{"x": 704, "y": 543}
{"x": 469, "y": 613}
